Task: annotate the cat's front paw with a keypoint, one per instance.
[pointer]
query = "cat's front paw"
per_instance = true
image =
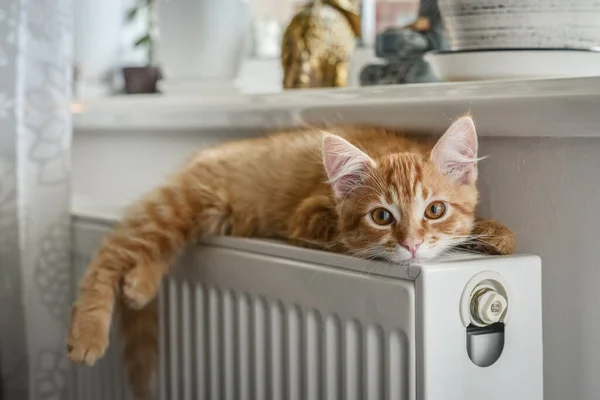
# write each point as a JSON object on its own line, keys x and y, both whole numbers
{"x": 493, "y": 238}
{"x": 140, "y": 286}
{"x": 87, "y": 339}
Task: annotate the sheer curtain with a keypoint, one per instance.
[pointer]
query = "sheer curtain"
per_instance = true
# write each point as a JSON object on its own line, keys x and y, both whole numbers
{"x": 36, "y": 45}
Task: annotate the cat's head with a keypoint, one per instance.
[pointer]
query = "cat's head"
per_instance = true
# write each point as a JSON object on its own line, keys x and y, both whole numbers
{"x": 405, "y": 206}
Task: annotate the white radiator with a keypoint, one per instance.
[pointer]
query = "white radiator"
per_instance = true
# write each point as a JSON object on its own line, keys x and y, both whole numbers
{"x": 249, "y": 319}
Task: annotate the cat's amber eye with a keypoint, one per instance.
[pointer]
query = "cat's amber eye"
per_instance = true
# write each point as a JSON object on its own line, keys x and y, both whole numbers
{"x": 435, "y": 210}
{"x": 381, "y": 216}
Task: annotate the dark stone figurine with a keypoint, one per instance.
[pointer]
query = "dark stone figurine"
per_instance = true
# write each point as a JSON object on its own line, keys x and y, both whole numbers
{"x": 403, "y": 49}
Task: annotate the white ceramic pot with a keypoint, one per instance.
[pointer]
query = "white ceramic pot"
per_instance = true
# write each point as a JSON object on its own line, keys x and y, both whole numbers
{"x": 509, "y": 24}
{"x": 202, "y": 40}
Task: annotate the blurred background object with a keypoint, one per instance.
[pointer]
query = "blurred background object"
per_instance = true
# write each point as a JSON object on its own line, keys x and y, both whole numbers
{"x": 100, "y": 33}
{"x": 266, "y": 38}
{"x": 227, "y": 47}
{"x": 143, "y": 79}
{"x": 495, "y": 39}
{"x": 202, "y": 43}
{"x": 214, "y": 47}
{"x": 489, "y": 65}
{"x": 403, "y": 50}
{"x": 318, "y": 43}
{"x": 523, "y": 24}
{"x": 394, "y": 13}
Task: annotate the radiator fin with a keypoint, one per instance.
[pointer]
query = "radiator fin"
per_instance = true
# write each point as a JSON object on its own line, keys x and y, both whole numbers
{"x": 312, "y": 350}
{"x": 396, "y": 366}
{"x": 352, "y": 361}
{"x": 215, "y": 349}
{"x": 173, "y": 339}
{"x": 374, "y": 358}
{"x": 261, "y": 356}
{"x": 199, "y": 338}
{"x": 229, "y": 346}
{"x": 187, "y": 370}
{"x": 278, "y": 370}
{"x": 333, "y": 364}
{"x": 294, "y": 353}
{"x": 244, "y": 345}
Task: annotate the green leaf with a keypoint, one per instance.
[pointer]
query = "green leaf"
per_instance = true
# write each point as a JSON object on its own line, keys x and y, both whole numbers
{"x": 142, "y": 41}
{"x": 131, "y": 14}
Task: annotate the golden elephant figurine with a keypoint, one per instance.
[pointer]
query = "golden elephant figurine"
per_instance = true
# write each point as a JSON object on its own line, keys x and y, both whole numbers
{"x": 318, "y": 43}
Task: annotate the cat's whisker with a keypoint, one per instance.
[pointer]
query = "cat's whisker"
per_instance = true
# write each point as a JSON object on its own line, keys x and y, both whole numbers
{"x": 453, "y": 251}
{"x": 487, "y": 236}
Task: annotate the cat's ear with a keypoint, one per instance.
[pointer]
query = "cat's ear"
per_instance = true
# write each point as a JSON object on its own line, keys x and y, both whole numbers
{"x": 346, "y": 165}
{"x": 455, "y": 153}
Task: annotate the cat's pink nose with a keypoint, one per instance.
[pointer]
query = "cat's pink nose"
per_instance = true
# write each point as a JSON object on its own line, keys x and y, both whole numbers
{"x": 411, "y": 245}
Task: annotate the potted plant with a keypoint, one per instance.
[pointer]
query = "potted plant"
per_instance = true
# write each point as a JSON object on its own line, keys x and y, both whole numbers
{"x": 143, "y": 79}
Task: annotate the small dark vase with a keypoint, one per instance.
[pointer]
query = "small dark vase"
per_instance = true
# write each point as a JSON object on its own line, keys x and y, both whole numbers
{"x": 140, "y": 80}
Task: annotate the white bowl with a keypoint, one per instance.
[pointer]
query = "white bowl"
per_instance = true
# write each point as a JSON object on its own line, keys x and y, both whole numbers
{"x": 487, "y": 24}
{"x": 513, "y": 64}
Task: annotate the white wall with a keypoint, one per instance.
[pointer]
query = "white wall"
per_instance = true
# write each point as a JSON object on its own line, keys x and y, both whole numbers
{"x": 548, "y": 191}
{"x": 104, "y": 43}
{"x": 98, "y": 27}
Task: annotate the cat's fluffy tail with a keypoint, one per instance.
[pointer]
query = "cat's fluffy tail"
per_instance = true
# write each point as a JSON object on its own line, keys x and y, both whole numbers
{"x": 139, "y": 332}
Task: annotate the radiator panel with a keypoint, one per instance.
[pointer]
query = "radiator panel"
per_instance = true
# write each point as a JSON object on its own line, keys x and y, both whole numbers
{"x": 239, "y": 325}
{"x": 256, "y": 348}
{"x": 247, "y": 319}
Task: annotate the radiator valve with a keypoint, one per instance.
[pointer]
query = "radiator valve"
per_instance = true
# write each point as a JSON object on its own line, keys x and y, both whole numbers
{"x": 487, "y": 306}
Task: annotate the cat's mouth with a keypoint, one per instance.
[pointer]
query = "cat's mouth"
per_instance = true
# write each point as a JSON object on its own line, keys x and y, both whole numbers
{"x": 402, "y": 256}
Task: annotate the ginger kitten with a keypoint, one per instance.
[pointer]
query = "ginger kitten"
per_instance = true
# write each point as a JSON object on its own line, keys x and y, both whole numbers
{"x": 368, "y": 192}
